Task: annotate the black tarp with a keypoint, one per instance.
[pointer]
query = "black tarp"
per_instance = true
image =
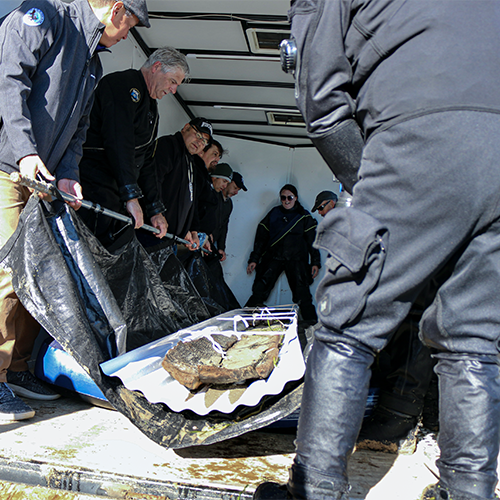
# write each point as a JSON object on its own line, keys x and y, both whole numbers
{"x": 95, "y": 304}
{"x": 208, "y": 278}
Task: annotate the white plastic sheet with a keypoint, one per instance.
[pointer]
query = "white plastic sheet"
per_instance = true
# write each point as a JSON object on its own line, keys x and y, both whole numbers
{"x": 141, "y": 369}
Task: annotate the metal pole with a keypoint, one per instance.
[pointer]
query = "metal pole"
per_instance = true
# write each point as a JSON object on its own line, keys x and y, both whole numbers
{"x": 50, "y": 189}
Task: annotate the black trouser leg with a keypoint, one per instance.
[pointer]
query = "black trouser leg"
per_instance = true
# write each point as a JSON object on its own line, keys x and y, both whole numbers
{"x": 266, "y": 275}
{"x": 405, "y": 369}
{"x": 298, "y": 274}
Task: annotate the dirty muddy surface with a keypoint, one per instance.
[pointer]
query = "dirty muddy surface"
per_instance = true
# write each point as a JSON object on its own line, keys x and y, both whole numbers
{"x": 14, "y": 491}
{"x": 75, "y": 447}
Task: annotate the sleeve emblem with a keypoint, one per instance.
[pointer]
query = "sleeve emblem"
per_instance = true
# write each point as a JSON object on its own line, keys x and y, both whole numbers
{"x": 135, "y": 95}
{"x": 34, "y": 17}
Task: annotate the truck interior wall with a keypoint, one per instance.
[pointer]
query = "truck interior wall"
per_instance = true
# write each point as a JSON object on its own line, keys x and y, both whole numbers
{"x": 265, "y": 169}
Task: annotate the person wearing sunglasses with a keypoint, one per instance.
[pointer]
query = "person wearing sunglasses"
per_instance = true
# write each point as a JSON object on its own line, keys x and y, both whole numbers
{"x": 401, "y": 98}
{"x": 284, "y": 243}
{"x": 325, "y": 201}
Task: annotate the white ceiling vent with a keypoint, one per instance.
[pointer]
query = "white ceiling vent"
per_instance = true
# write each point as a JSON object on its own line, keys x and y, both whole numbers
{"x": 285, "y": 118}
{"x": 266, "y": 41}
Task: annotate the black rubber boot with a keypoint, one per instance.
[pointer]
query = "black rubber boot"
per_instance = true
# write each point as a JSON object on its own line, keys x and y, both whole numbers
{"x": 469, "y": 422}
{"x": 439, "y": 492}
{"x": 275, "y": 491}
{"x": 333, "y": 405}
{"x": 271, "y": 491}
{"x": 389, "y": 431}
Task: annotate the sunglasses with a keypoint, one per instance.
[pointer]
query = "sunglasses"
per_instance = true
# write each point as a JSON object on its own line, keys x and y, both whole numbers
{"x": 321, "y": 207}
{"x": 289, "y": 198}
{"x": 199, "y": 136}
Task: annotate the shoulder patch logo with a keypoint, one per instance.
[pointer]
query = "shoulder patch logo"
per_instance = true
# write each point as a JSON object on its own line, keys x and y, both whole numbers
{"x": 34, "y": 17}
{"x": 135, "y": 95}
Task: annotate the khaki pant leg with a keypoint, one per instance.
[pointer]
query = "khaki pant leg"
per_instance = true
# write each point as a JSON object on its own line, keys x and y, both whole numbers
{"x": 18, "y": 330}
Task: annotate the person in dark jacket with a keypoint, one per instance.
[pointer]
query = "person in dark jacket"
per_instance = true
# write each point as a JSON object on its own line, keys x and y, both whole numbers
{"x": 284, "y": 242}
{"x": 221, "y": 176}
{"x": 212, "y": 154}
{"x": 42, "y": 128}
{"x": 408, "y": 92}
{"x": 118, "y": 168}
{"x": 224, "y": 210}
{"x": 174, "y": 156}
{"x": 220, "y": 292}
{"x": 206, "y": 198}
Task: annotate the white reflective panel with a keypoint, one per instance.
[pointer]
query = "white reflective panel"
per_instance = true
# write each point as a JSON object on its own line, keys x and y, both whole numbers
{"x": 269, "y": 96}
{"x": 233, "y": 69}
{"x": 192, "y": 34}
{"x": 269, "y": 7}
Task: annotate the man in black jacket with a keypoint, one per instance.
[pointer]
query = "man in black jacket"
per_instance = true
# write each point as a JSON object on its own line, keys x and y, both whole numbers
{"x": 175, "y": 158}
{"x": 212, "y": 154}
{"x": 222, "y": 176}
{"x": 224, "y": 210}
{"x": 117, "y": 168}
{"x": 407, "y": 91}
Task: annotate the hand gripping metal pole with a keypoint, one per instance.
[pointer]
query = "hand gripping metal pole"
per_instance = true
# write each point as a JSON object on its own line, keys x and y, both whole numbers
{"x": 50, "y": 189}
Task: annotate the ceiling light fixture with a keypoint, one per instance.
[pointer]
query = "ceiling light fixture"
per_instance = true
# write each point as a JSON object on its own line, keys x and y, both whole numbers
{"x": 256, "y": 108}
{"x": 285, "y": 118}
{"x": 266, "y": 41}
{"x": 233, "y": 57}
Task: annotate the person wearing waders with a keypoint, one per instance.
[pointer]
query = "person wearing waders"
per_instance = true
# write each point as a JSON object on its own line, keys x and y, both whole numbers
{"x": 408, "y": 92}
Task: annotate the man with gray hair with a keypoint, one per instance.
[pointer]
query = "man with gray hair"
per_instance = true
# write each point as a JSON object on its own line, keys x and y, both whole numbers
{"x": 117, "y": 168}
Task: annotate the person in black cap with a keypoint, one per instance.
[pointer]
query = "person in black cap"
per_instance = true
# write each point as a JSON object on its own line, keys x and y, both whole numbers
{"x": 175, "y": 156}
{"x": 224, "y": 210}
{"x": 203, "y": 130}
{"x": 49, "y": 52}
{"x": 325, "y": 201}
{"x": 221, "y": 176}
{"x": 206, "y": 199}
{"x": 284, "y": 242}
{"x": 221, "y": 293}
{"x": 139, "y": 9}
{"x": 117, "y": 168}
{"x": 238, "y": 184}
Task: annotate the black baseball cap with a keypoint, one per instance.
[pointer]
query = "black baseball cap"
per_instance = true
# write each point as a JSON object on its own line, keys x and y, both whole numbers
{"x": 223, "y": 171}
{"x": 324, "y": 196}
{"x": 140, "y": 9}
{"x": 203, "y": 126}
{"x": 238, "y": 180}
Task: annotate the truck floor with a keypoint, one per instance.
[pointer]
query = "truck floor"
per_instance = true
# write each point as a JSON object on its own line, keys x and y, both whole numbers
{"x": 73, "y": 446}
